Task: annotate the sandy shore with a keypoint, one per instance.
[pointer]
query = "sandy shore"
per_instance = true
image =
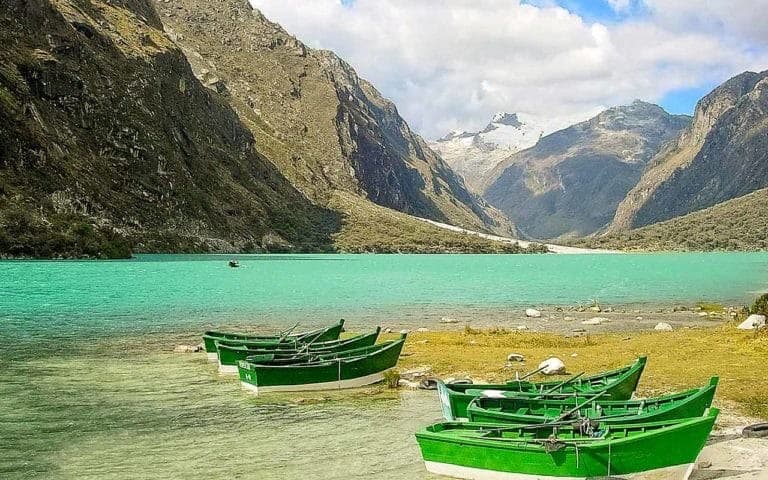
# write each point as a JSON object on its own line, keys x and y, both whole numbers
{"x": 561, "y": 320}
{"x": 729, "y": 455}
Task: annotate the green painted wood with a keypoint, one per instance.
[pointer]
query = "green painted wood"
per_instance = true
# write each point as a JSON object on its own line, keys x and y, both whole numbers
{"x": 259, "y": 341}
{"x": 232, "y": 354}
{"x": 543, "y": 450}
{"x": 617, "y": 384}
{"x": 523, "y": 410}
{"x": 329, "y": 368}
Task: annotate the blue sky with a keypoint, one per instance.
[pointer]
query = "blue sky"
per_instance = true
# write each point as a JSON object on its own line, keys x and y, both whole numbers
{"x": 452, "y": 64}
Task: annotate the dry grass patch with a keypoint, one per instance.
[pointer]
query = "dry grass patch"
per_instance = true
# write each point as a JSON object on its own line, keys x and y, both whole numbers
{"x": 677, "y": 360}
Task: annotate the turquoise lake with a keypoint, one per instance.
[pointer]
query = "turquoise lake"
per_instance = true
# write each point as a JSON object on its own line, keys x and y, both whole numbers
{"x": 90, "y": 387}
{"x": 174, "y": 292}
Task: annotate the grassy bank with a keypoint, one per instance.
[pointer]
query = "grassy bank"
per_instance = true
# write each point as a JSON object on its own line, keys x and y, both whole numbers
{"x": 677, "y": 360}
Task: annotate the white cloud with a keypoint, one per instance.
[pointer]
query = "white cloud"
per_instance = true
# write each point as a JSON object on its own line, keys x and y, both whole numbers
{"x": 453, "y": 63}
{"x": 619, "y": 5}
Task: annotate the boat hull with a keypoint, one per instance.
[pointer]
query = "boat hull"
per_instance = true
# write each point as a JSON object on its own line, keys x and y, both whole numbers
{"x": 668, "y": 451}
{"x": 270, "y": 341}
{"x": 456, "y": 398}
{"x": 334, "y": 385}
{"x": 677, "y": 472}
{"x": 327, "y": 373}
{"x": 692, "y": 403}
{"x": 229, "y": 356}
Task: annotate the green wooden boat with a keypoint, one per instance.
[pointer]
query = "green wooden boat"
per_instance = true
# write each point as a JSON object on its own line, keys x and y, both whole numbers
{"x": 479, "y": 451}
{"x": 266, "y": 341}
{"x": 329, "y": 371}
{"x": 230, "y": 355}
{"x": 522, "y": 410}
{"x": 617, "y": 384}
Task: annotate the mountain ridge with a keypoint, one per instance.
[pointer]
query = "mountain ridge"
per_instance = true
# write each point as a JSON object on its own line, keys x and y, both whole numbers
{"x": 296, "y": 100}
{"x": 111, "y": 142}
{"x": 571, "y": 181}
{"x": 473, "y": 155}
{"x": 720, "y": 156}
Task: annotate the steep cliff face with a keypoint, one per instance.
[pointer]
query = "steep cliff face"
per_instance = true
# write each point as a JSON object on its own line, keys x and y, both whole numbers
{"x": 324, "y": 127}
{"x": 473, "y": 155}
{"x": 108, "y": 139}
{"x": 571, "y": 182}
{"x": 722, "y": 155}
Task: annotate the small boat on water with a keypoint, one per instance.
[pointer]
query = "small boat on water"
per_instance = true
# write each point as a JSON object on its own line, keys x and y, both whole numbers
{"x": 266, "y": 341}
{"x": 230, "y": 355}
{"x": 234, "y": 263}
{"x": 522, "y": 410}
{"x": 617, "y": 384}
{"x": 328, "y": 371}
{"x": 480, "y": 451}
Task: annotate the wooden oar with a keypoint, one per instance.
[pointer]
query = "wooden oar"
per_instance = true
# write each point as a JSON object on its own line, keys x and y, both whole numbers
{"x": 560, "y": 385}
{"x": 576, "y": 408}
{"x": 306, "y": 347}
{"x": 284, "y": 334}
{"x": 529, "y": 374}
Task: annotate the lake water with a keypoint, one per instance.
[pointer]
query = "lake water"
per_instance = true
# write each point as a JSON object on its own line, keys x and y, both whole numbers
{"x": 90, "y": 390}
{"x": 176, "y": 292}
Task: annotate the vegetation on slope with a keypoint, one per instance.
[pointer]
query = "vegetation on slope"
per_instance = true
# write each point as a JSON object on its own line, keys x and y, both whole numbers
{"x": 737, "y": 224}
{"x": 369, "y": 228}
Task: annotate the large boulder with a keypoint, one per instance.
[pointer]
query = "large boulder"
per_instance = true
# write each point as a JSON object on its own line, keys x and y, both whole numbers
{"x": 552, "y": 366}
{"x": 752, "y": 322}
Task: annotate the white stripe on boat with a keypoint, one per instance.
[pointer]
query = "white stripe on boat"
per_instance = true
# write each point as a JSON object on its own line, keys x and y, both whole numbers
{"x": 335, "y": 385}
{"x": 213, "y": 356}
{"x": 677, "y": 472}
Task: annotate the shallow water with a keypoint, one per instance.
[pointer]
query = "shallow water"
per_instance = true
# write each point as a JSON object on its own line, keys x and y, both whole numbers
{"x": 90, "y": 390}
{"x": 114, "y": 411}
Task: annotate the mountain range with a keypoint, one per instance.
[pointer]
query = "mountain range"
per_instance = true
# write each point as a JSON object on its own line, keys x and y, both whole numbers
{"x": 571, "y": 181}
{"x": 186, "y": 126}
{"x": 202, "y": 126}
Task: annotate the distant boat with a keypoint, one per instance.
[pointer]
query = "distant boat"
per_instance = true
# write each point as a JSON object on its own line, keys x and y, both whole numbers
{"x": 234, "y": 263}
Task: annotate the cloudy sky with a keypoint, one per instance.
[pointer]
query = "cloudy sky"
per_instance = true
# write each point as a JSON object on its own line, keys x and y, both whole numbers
{"x": 451, "y": 64}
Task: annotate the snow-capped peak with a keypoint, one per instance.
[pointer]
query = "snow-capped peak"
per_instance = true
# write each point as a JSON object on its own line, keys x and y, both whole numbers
{"x": 474, "y": 154}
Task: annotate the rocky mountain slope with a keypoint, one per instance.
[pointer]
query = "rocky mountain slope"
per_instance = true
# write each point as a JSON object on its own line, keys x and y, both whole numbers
{"x": 329, "y": 131}
{"x": 722, "y": 155}
{"x": 474, "y": 154}
{"x": 571, "y": 182}
{"x": 737, "y": 224}
{"x": 108, "y": 140}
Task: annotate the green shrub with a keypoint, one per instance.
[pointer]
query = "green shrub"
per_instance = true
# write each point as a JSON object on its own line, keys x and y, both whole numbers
{"x": 761, "y": 305}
